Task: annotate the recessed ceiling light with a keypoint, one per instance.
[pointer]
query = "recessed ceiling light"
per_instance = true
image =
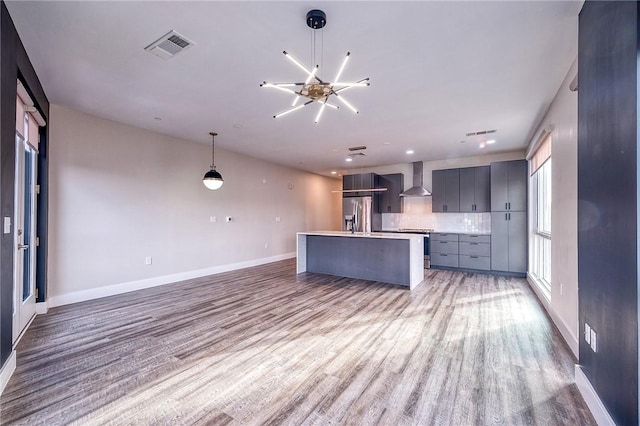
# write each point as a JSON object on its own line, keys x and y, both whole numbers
{"x": 482, "y": 145}
{"x": 409, "y": 151}
{"x": 490, "y": 141}
{"x": 333, "y": 172}
{"x": 348, "y": 159}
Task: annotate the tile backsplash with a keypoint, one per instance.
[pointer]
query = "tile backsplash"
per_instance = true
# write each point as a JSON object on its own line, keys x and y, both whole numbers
{"x": 417, "y": 214}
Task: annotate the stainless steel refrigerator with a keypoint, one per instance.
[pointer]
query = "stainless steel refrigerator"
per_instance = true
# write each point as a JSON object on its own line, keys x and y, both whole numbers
{"x": 360, "y": 215}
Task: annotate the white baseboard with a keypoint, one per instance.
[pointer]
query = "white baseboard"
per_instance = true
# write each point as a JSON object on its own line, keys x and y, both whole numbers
{"x": 598, "y": 410}
{"x": 565, "y": 330}
{"x": 42, "y": 308}
{"x": 7, "y": 370}
{"x": 111, "y": 290}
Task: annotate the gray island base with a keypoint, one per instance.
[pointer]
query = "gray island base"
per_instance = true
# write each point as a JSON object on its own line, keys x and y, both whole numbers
{"x": 385, "y": 257}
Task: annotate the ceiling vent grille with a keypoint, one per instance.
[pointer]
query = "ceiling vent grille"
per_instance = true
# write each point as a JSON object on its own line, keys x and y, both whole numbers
{"x": 482, "y": 132}
{"x": 357, "y": 148}
{"x": 169, "y": 45}
{"x": 356, "y": 154}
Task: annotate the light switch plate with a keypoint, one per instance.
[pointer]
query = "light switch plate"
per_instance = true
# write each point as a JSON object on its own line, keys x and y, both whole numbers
{"x": 587, "y": 333}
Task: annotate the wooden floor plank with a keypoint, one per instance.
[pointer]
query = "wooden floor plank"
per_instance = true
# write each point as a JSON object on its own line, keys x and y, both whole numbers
{"x": 266, "y": 346}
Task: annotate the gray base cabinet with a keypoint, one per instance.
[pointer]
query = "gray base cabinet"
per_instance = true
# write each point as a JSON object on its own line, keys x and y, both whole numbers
{"x": 443, "y": 250}
{"x": 509, "y": 242}
{"x": 475, "y": 252}
{"x": 461, "y": 251}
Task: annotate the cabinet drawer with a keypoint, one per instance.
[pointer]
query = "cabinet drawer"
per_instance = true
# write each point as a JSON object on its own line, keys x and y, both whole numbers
{"x": 446, "y": 247}
{"x": 475, "y": 238}
{"x": 475, "y": 262}
{"x": 441, "y": 259}
{"x": 474, "y": 249}
{"x": 440, "y": 236}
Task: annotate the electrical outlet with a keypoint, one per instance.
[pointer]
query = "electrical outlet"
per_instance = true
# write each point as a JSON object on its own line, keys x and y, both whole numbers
{"x": 148, "y": 260}
{"x": 212, "y": 219}
{"x": 587, "y": 333}
{"x": 277, "y": 219}
{"x": 594, "y": 340}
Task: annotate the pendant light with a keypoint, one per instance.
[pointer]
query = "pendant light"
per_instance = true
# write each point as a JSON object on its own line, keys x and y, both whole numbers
{"x": 212, "y": 179}
{"x": 315, "y": 90}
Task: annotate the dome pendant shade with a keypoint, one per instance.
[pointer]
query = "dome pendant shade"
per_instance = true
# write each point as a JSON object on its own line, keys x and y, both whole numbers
{"x": 213, "y": 179}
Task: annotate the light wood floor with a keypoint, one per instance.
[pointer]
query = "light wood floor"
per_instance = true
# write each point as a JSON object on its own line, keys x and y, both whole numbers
{"x": 264, "y": 346}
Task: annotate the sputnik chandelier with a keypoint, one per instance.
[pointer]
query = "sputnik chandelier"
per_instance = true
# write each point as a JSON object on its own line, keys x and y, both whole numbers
{"x": 314, "y": 89}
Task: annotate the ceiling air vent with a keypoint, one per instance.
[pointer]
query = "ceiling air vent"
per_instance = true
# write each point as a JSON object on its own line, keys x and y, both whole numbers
{"x": 169, "y": 45}
{"x": 356, "y": 154}
{"x": 482, "y": 132}
{"x": 357, "y": 148}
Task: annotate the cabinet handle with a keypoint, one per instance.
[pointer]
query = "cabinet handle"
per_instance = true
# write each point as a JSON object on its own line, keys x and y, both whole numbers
{"x": 509, "y": 216}
{"x": 473, "y": 257}
{"x": 473, "y": 244}
{"x": 505, "y": 216}
{"x": 506, "y": 206}
{"x": 509, "y": 206}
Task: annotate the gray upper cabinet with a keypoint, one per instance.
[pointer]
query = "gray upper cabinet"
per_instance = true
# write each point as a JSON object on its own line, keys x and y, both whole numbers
{"x": 445, "y": 194}
{"x": 509, "y": 186}
{"x": 390, "y": 200}
{"x": 359, "y": 181}
{"x": 475, "y": 189}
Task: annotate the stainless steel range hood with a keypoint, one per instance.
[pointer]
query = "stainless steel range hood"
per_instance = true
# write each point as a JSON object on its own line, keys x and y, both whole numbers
{"x": 417, "y": 190}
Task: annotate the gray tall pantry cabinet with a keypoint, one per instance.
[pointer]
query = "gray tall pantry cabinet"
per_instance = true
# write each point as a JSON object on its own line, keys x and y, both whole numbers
{"x": 509, "y": 216}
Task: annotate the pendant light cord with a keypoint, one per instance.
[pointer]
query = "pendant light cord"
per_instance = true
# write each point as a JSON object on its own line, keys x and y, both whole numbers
{"x": 213, "y": 152}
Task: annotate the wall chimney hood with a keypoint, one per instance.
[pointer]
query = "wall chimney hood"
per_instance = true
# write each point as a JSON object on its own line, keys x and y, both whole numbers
{"x": 417, "y": 190}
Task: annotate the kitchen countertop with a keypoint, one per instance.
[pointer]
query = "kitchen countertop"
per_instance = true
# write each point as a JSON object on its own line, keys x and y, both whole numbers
{"x": 385, "y": 234}
{"x": 443, "y": 232}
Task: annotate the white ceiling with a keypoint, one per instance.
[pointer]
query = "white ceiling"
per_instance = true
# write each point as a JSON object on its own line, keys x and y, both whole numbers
{"x": 438, "y": 70}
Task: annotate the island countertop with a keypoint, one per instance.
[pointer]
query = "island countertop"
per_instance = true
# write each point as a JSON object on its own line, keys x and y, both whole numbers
{"x": 386, "y": 234}
{"x": 376, "y": 256}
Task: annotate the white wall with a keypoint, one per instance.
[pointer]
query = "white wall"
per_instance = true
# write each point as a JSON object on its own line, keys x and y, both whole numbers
{"x": 119, "y": 194}
{"x": 563, "y": 116}
{"x": 417, "y": 210}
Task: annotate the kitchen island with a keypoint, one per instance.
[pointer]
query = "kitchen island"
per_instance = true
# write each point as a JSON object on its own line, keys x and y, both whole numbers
{"x": 386, "y": 257}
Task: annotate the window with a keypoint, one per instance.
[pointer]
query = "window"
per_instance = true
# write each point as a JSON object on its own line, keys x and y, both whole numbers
{"x": 541, "y": 203}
